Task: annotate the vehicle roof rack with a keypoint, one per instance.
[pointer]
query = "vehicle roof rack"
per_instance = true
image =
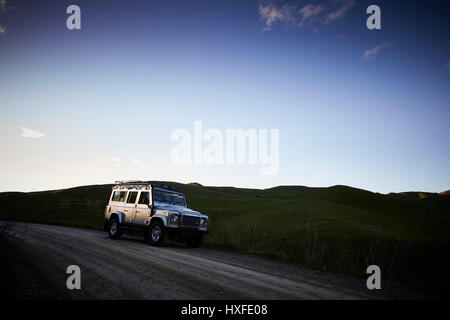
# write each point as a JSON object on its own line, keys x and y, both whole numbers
{"x": 123, "y": 182}
{"x": 142, "y": 184}
{"x": 132, "y": 183}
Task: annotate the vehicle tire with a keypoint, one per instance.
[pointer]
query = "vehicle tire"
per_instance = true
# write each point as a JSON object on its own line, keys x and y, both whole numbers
{"x": 114, "y": 229}
{"x": 156, "y": 233}
{"x": 196, "y": 242}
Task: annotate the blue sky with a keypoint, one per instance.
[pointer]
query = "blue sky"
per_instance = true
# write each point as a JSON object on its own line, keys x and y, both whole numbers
{"x": 366, "y": 108}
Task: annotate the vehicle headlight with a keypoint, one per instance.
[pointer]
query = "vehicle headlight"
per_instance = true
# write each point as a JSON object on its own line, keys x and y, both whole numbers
{"x": 174, "y": 218}
{"x": 204, "y": 222}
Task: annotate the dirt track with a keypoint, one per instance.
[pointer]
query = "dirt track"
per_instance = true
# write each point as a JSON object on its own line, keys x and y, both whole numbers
{"x": 131, "y": 269}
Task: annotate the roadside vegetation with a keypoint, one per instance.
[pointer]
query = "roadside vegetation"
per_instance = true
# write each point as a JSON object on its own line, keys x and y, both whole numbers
{"x": 337, "y": 229}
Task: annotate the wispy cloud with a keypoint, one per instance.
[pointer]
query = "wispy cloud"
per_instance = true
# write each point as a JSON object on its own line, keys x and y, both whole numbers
{"x": 118, "y": 163}
{"x": 309, "y": 11}
{"x": 342, "y": 6}
{"x": 447, "y": 66}
{"x": 115, "y": 160}
{"x": 371, "y": 53}
{"x": 275, "y": 11}
{"x": 30, "y": 133}
{"x": 140, "y": 164}
{"x": 271, "y": 13}
{"x": 4, "y": 7}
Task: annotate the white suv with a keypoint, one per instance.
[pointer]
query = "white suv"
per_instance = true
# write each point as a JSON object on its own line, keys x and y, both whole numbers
{"x": 159, "y": 212}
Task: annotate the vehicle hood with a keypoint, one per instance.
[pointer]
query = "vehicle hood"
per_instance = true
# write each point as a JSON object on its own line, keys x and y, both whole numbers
{"x": 179, "y": 209}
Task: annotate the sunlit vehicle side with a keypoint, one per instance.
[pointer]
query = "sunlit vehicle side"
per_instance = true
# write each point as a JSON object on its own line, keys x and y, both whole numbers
{"x": 159, "y": 212}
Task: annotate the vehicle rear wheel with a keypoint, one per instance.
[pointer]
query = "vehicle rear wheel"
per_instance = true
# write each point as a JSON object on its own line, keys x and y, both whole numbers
{"x": 196, "y": 242}
{"x": 156, "y": 233}
{"x": 114, "y": 229}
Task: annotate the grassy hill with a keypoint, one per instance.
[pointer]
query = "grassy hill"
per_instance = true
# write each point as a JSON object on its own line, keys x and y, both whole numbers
{"x": 339, "y": 229}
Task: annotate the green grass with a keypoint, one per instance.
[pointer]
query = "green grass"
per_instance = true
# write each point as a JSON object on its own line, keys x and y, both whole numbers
{"x": 338, "y": 229}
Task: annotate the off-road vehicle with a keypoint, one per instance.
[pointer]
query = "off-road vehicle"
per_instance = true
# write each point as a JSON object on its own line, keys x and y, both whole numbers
{"x": 158, "y": 211}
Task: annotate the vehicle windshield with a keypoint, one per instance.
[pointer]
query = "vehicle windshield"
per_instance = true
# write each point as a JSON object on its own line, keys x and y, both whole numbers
{"x": 172, "y": 198}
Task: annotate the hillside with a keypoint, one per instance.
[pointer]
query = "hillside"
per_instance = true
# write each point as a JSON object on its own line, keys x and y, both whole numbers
{"x": 339, "y": 228}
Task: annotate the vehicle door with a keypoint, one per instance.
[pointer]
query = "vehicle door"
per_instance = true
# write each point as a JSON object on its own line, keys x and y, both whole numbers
{"x": 129, "y": 207}
{"x": 142, "y": 210}
{"x": 117, "y": 201}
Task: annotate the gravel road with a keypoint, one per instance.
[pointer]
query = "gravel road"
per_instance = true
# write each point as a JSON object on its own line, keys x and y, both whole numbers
{"x": 131, "y": 269}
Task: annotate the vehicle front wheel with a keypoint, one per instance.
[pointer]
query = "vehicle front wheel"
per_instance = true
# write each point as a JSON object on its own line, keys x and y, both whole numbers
{"x": 114, "y": 229}
{"x": 156, "y": 233}
{"x": 196, "y": 242}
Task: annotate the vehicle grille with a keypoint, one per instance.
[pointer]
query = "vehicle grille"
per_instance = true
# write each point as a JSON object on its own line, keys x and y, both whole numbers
{"x": 189, "y": 221}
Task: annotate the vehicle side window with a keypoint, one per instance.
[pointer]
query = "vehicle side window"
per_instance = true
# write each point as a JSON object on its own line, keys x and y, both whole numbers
{"x": 132, "y": 197}
{"x": 119, "y": 196}
{"x": 123, "y": 195}
{"x": 144, "y": 198}
{"x": 115, "y": 196}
